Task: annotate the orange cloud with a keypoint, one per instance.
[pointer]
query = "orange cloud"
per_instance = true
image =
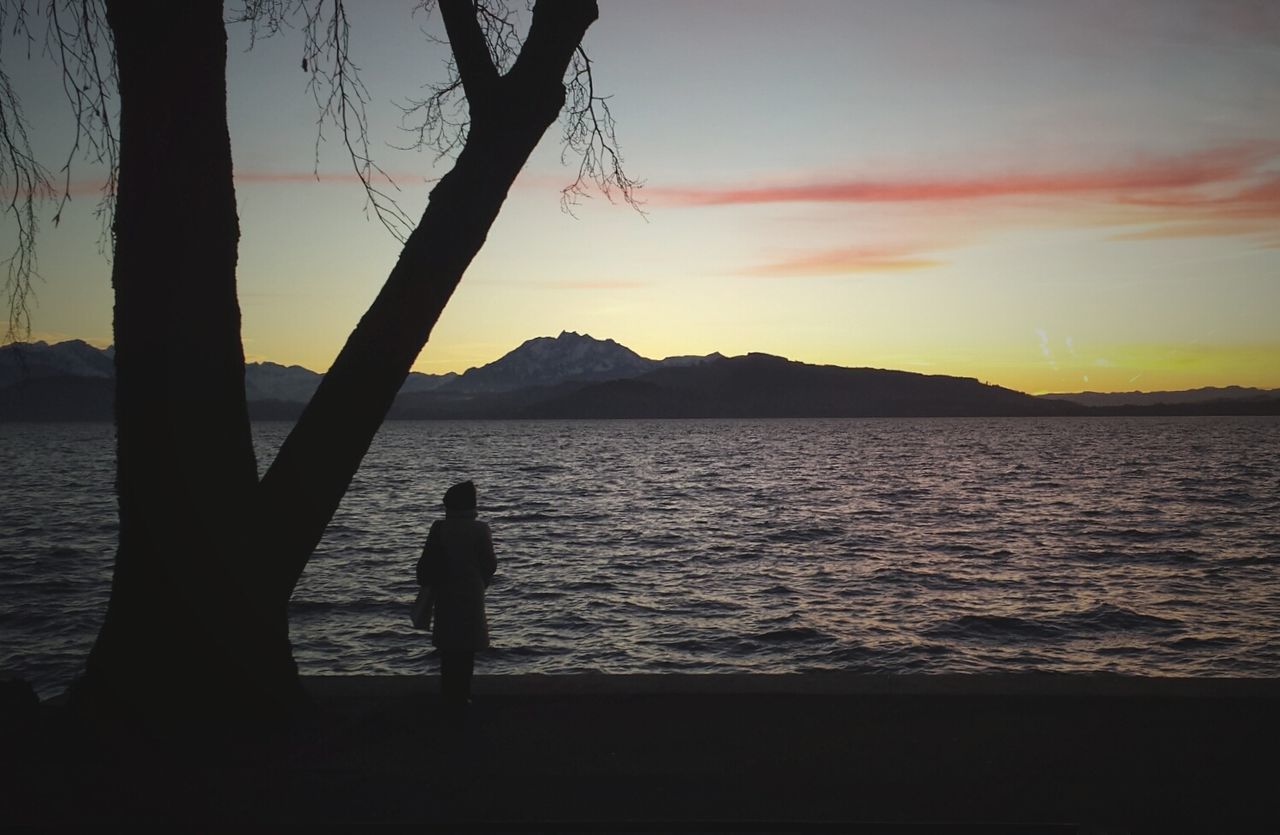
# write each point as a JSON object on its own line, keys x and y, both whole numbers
{"x": 1257, "y": 200}
{"x": 593, "y": 285}
{"x": 74, "y": 189}
{"x": 863, "y": 259}
{"x": 1142, "y": 176}
{"x": 1204, "y": 229}
{"x": 1228, "y": 190}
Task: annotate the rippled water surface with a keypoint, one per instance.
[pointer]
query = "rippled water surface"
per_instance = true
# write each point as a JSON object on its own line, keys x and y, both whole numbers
{"x": 1135, "y": 545}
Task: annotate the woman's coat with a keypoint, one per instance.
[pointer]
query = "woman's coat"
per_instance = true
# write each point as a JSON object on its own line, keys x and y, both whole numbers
{"x": 458, "y": 563}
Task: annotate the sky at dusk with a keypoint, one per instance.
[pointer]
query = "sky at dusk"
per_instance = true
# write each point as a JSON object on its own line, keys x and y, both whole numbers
{"x": 1048, "y": 196}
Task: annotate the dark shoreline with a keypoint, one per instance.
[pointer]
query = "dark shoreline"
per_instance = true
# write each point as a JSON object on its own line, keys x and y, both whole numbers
{"x": 838, "y": 752}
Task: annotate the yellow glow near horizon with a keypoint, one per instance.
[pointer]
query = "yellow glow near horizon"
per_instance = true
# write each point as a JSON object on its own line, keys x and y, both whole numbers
{"x": 1042, "y": 199}
{"x": 1128, "y": 368}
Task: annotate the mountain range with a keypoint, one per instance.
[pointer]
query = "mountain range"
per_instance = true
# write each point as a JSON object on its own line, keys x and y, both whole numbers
{"x": 1157, "y": 398}
{"x": 576, "y": 376}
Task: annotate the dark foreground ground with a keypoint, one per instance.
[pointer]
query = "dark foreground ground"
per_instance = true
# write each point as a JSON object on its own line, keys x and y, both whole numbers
{"x": 661, "y": 753}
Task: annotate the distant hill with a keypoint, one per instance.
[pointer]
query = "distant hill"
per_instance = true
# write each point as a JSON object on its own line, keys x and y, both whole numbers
{"x": 755, "y": 385}
{"x": 760, "y": 385}
{"x": 22, "y": 361}
{"x": 263, "y": 381}
{"x": 1227, "y": 406}
{"x": 576, "y": 376}
{"x": 268, "y": 381}
{"x": 1152, "y": 398}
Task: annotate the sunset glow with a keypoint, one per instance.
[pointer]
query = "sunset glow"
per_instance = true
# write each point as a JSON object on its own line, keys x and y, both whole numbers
{"x": 1050, "y": 197}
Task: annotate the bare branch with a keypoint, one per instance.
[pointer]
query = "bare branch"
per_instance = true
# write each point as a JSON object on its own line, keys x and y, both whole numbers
{"x": 341, "y": 97}
{"x": 25, "y": 184}
{"x": 79, "y": 39}
{"x": 591, "y": 133}
{"x": 266, "y": 18}
{"x": 484, "y": 39}
{"x": 340, "y": 94}
{"x": 76, "y": 37}
{"x": 442, "y": 119}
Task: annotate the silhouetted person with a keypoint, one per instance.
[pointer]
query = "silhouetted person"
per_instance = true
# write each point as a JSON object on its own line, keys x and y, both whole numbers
{"x": 458, "y": 563}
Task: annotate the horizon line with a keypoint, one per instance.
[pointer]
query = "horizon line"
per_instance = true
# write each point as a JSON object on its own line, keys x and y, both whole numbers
{"x": 1040, "y": 393}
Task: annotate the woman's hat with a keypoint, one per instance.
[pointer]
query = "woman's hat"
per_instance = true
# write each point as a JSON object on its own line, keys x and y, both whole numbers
{"x": 461, "y": 496}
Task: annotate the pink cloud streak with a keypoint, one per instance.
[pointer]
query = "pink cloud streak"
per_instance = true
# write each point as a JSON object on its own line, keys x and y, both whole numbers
{"x": 1260, "y": 200}
{"x": 1144, "y": 175}
{"x": 846, "y": 260}
{"x": 1229, "y": 190}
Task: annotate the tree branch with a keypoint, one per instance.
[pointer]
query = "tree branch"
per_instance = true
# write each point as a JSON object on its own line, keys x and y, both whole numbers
{"x": 86, "y": 52}
{"x": 470, "y": 50}
{"x": 590, "y": 133}
{"x": 554, "y": 36}
{"x": 305, "y": 483}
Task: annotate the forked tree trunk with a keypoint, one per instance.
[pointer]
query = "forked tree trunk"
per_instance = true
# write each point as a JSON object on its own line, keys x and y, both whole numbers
{"x": 208, "y": 557}
{"x": 185, "y": 618}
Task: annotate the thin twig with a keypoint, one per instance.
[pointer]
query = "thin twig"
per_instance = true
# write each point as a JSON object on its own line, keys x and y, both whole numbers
{"x": 77, "y": 38}
{"x": 440, "y": 121}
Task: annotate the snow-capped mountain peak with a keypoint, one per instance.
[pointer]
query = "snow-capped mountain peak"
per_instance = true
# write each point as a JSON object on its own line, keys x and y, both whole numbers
{"x": 546, "y": 361}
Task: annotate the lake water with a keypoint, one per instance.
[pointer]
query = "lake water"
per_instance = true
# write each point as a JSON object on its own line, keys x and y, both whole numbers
{"x": 1145, "y": 546}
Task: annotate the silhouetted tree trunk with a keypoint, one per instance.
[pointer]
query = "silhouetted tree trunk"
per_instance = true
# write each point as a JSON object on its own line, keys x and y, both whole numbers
{"x": 208, "y": 556}
{"x": 185, "y": 614}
